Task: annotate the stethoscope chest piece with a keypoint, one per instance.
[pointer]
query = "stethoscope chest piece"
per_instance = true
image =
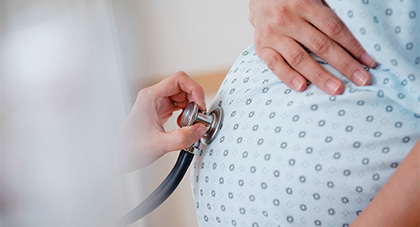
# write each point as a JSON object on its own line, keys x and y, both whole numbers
{"x": 212, "y": 120}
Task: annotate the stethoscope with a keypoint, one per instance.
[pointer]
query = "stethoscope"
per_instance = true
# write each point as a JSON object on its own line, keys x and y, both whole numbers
{"x": 190, "y": 116}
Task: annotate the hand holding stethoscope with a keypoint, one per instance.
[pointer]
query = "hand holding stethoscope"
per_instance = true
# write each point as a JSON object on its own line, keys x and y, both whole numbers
{"x": 143, "y": 134}
{"x": 143, "y": 138}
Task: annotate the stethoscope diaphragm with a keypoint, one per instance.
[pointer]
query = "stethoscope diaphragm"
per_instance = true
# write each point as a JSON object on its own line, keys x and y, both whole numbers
{"x": 212, "y": 120}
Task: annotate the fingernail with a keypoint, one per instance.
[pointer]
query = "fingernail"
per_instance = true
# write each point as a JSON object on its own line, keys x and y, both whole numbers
{"x": 360, "y": 78}
{"x": 332, "y": 86}
{"x": 368, "y": 60}
{"x": 201, "y": 107}
{"x": 200, "y": 131}
{"x": 297, "y": 83}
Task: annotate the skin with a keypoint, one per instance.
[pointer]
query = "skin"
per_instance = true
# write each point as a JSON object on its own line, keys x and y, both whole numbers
{"x": 397, "y": 203}
{"x": 283, "y": 27}
{"x": 143, "y": 138}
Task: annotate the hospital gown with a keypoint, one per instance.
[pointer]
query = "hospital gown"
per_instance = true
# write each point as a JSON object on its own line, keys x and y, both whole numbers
{"x": 286, "y": 158}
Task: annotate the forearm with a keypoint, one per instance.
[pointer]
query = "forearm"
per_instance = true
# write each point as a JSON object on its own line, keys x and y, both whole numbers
{"x": 397, "y": 203}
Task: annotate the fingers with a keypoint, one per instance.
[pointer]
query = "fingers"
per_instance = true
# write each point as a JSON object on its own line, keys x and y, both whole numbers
{"x": 180, "y": 100}
{"x": 182, "y": 89}
{"x": 334, "y": 54}
{"x": 182, "y": 138}
{"x": 335, "y": 44}
{"x": 281, "y": 27}
{"x": 328, "y": 22}
{"x": 300, "y": 61}
{"x": 276, "y": 63}
{"x": 144, "y": 133}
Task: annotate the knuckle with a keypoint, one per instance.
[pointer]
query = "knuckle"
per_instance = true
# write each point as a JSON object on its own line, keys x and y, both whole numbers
{"x": 271, "y": 61}
{"x": 269, "y": 31}
{"x": 345, "y": 66}
{"x": 144, "y": 93}
{"x": 321, "y": 45}
{"x": 296, "y": 58}
{"x": 183, "y": 140}
{"x": 200, "y": 90}
{"x": 282, "y": 17}
{"x": 334, "y": 27}
{"x": 263, "y": 36}
{"x": 288, "y": 73}
{"x": 180, "y": 74}
{"x": 356, "y": 49}
{"x": 317, "y": 77}
{"x": 301, "y": 4}
{"x": 141, "y": 92}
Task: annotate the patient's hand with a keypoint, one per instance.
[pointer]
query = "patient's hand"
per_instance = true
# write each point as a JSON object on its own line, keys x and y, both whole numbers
{"x": 282, "y": 27}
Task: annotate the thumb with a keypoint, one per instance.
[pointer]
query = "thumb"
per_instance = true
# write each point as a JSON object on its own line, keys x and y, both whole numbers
{"x": 184, "y": 137}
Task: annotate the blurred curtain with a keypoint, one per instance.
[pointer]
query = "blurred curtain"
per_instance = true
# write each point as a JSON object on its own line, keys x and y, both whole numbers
{"x": 64, "y": 96}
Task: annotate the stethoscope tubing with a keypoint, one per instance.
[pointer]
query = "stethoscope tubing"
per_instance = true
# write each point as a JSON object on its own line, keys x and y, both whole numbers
{"x": 162, "y": 192}
{"x": 190, "y": 116}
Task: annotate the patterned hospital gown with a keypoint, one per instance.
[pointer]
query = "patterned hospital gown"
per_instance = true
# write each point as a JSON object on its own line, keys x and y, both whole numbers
{"x": 284, "y": 158}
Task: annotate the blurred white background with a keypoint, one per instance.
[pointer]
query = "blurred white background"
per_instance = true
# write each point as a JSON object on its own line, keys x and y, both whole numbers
{"x": 70, "y": 71}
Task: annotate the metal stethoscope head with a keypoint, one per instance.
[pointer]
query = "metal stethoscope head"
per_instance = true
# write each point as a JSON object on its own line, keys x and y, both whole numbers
{"x": 212, "y": 120}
